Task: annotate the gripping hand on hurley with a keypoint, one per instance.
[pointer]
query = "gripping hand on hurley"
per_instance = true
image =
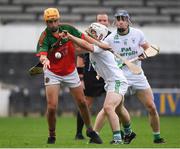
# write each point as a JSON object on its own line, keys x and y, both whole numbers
{"x": 45, "y": 61}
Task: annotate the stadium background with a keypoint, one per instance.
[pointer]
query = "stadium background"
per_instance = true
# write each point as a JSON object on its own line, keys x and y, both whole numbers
{"x": 21, "y": 24}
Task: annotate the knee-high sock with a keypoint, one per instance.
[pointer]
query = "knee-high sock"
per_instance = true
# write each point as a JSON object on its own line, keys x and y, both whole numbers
{"x": 51, "y": 118}
{"x": 80, "y": 123}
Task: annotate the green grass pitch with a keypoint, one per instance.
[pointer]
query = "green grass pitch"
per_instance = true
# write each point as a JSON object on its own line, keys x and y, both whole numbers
{"x": 32, "y": 132}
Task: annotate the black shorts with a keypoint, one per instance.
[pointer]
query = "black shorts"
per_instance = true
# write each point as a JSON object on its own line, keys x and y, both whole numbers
{"x": 93, "y": 87}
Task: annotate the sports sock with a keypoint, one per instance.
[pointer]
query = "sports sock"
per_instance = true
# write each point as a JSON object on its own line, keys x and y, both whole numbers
{"x": 156, "y": 135}
{"x": 52, "y": 133}
{"x": 117, "y": 135}
{"x": 127, "y": 129}
{"x": 80, "y": 124}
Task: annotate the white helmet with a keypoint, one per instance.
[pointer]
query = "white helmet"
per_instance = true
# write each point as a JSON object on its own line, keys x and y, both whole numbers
{"x": 100, "y": 29}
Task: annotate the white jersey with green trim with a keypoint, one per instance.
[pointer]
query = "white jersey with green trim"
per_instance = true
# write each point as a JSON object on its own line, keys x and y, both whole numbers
{"x": 105, "y": 65}
{"x": 129, "y": 45}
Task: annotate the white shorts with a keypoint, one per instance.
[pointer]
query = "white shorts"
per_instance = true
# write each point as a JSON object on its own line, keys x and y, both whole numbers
{"x": 117, "y": 87}
{"x": 137, "y": 82}
{"x": 72, "y": 80}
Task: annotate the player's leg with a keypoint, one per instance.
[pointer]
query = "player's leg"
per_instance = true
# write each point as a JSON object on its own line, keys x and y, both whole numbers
{"x": 52, "y": 88}
{"x": 80, "y": 122}
{"x": 52, "y": 92}
{"x": 115, "y": 92}
{"x": 112, "y": 100}
{"x": 78, "y": 94}
{"x": 79, "y": 97}
{"x": 92, "y": 88}
{"x": 146, "y": 97}
{"x": 100, "y": 121}
{"x": 125, "y": 120}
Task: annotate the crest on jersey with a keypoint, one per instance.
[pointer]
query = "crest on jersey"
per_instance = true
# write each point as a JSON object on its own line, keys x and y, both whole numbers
{"x": 133, "y": 40}
{"x": 116, "y": 37}
{"x": 125, "y": 42}
{"x": 47, "y": 80}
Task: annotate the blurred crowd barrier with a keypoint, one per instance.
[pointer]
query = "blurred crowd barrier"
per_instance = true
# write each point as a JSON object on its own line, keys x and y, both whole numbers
{"x": 23, "y": 37}
{"x": 167, "y": 101}
{"x": 20, "y": 103}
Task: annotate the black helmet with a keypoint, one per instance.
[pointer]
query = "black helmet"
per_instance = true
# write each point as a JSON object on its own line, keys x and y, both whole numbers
{"x": 123, "y": 13}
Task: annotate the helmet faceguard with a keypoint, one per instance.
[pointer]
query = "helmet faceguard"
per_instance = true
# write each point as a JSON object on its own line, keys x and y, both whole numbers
{"x": 122, "y": 14}
{"x": 100, "y": 30}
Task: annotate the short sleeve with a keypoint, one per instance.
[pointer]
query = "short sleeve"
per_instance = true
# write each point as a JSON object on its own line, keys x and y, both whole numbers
{"x": 42, "y": 46}
{"x": 97, "y": 49}
{"x": 142, "y": 38}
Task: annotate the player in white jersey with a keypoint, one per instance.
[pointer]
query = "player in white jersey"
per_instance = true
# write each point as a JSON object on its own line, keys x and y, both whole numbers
{"x": 130, "y": 42}
{"x": 115, "y": 82}
{"x": 93, "y": 87}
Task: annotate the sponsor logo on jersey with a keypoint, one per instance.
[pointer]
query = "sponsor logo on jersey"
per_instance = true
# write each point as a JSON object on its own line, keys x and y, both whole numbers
{"x": 127, "y": 51}
{"x": 116, "y": 41}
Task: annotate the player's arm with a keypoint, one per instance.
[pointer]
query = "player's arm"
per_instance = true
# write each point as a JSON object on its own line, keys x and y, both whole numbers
{"x": 76, "y": 33}
{"x": 149, "y": 50}
{"x": 83, "y": 43}
{"x": 80, "y": 42}
{"x": 45, "y": 61}
{"x": 79, "y": 50}
{"x": 80, "y": 67}
{"x": 145, "y": 46}
{"x": 42, "y": 51}
{"x": 96, "y": 42}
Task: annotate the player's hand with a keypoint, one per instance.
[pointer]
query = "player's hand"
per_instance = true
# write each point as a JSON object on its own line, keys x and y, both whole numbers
{"x": 46, "y": 64}
{"x": 45, "y": 61}
{"x": 64, "y": 34}
{"x": 141, "y": 57}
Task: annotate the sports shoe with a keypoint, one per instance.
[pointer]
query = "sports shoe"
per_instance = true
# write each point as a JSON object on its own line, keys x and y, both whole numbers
{"x": 159, "y": 141}
{"x": 128, "y": 138}
{"x": 116, "y": 142}
{"x": 51, "y": 140}
{"x": 94, "y": 137}
{"x": 79, "y": 136}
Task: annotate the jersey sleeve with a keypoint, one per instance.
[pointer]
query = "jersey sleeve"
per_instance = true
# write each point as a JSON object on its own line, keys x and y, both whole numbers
{"x": 75, "y": 32}
{"x": 142, "y": 38}
{"x": 42, "y": 46}
{"x": 106, "y": 39}
{"x": 97, "y": 49}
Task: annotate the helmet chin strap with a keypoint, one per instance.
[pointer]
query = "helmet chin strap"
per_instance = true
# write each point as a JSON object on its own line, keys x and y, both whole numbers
{"x": 122, "y": 31}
